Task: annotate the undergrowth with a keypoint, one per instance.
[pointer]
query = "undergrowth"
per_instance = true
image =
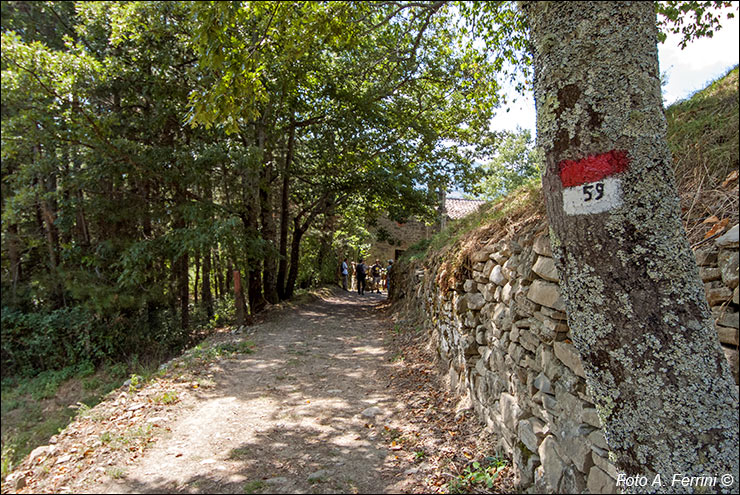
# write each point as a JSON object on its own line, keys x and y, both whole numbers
{"x": 478, "y": 476}
{"x": 36, "y": 408}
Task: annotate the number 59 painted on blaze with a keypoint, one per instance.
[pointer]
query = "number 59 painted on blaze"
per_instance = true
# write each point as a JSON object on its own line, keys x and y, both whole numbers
{"x": 591, "y": 185}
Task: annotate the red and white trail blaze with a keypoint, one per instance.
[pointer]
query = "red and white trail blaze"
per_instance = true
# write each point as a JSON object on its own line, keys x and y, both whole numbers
{"x": 591, "y": 184}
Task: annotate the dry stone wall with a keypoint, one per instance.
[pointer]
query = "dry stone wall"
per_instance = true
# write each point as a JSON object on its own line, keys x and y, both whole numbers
{"x": 502, "y": 337}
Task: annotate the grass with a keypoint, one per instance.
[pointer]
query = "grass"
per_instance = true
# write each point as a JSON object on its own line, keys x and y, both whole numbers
{"x": 116, "y": 473}
{"x": 128, "y": 437}
{"x": 239, "y": 453}
{"x": 207, "y": 353}
{"x": 36, "y": 408}
{"x": 703, "y": 136}
{"x": 254, "y": 486}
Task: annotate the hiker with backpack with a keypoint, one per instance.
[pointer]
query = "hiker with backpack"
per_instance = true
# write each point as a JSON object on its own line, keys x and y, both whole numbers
{"x": 361, "y": 271}
{"x": 376, "y": 272}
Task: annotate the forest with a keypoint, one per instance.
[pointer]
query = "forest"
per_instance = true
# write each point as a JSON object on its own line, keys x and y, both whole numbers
{"x": 167, "y": 165}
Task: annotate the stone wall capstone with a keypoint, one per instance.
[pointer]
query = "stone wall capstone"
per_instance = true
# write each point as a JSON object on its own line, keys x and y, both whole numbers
{"x": 503, "y": 340}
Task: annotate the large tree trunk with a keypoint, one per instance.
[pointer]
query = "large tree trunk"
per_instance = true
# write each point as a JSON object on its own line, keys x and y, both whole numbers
{"x": 295, "y": 253}
{"x": 269, "y": 233}
{"x": 284, "y": 215}
{"x": 636, "y": 305}
{"x": 241, "y": 307}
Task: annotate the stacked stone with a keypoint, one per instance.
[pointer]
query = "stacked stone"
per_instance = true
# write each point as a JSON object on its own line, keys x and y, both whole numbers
{"x": 718, "y": 268}
{"x": 504, "y": 338}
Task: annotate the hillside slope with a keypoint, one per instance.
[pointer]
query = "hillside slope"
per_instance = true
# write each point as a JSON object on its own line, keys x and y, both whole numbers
{"x": 703, "y": 134}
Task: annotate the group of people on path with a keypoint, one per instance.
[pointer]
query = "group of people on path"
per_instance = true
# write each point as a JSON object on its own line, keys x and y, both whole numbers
{"x": 356, "y": 275}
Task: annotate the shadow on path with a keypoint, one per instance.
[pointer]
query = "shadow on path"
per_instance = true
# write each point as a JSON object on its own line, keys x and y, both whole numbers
{"x": 296, "y": 416}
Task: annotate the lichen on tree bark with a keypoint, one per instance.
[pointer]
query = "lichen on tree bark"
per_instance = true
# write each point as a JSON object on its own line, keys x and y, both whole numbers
{"x": 636, "y": 305}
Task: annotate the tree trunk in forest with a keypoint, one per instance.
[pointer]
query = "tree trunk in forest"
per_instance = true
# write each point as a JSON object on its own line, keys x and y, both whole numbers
{"x": 218, "y": 275}
{"x": 48, "y": 210}
{"x": 249, "y": 217}
{"x": 636, "y": 305}
{"x": 241, "y": 307}
{"x": 181, "y": 266}
{"x": 269, "y": 233}
{"x": 267, "y": 219}
{"x": 295, "y": 251}
{"x": 324, "y": 255}
{"x": 183, "y": 289}
{"x": 83, "y": 232}
{"x": 254, "y": 273}
{"x": 284, "y": 215}
{"x": 14, "y": 256}
{"x": 206, "y": 296}
{"x": 197, "y": 273}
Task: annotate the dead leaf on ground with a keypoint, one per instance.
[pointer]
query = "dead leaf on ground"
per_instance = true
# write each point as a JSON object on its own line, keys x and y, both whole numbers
{"x": 712, "y": 219}
{"x": 718, "y": 227}
{"x": 731, "y": 177}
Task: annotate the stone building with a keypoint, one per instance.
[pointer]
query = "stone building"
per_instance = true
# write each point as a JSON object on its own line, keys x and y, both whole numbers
{"x": 393, "y": 238}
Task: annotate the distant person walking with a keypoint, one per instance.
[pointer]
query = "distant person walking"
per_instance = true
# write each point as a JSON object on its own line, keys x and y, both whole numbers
{"x": 345, "y": 273}
{"x": 360, "y": 273}
{"x": 376, "y": 271}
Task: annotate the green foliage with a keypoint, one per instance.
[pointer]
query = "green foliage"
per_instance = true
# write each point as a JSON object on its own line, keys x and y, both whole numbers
{"x": 418, "y": 250}
{"x": 166, "y": 398}
{"x": 478, "y": 475}
{"x": 515, "y": 163}
{"x": 223, "y": 313}
{"x": 44, "y": 341}
{"x": 56, "y": 340}
{"x": 8, "y": 451}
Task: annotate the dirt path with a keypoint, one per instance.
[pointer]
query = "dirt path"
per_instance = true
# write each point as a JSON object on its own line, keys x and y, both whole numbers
{"x": 287, "y": 418}
{"x": 325, "y": 403}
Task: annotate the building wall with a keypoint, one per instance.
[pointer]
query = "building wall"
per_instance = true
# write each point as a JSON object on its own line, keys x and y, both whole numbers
{"x": 396, "y": 238}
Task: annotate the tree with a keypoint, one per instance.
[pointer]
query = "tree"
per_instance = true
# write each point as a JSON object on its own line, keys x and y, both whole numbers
{"x": 335, "y": 103}
{"x": 515, "y": 162}
{"x": 636, "y": 304}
